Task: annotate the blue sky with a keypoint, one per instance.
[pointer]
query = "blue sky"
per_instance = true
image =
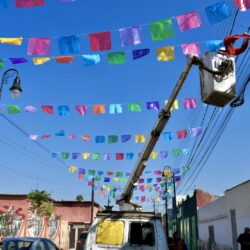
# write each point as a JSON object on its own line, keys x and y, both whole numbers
{"x": 136, "y": 81}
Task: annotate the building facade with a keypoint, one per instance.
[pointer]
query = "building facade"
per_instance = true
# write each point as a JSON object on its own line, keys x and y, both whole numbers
{"x": 64, "y": 228}
{"x": 187, "y": 222}
{"x": 221, "y": 222}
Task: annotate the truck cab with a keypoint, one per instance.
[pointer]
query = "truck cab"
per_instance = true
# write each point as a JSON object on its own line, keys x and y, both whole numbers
{"x": 126, "y": 230}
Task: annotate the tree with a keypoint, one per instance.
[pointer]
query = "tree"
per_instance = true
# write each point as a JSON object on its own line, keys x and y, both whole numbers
{"x": 40, "y": 203}
{"x": 79, "y": 197}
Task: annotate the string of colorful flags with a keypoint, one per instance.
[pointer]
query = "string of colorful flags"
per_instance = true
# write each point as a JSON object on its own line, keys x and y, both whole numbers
{"x": 111, "y": 139}
{"x": 82, "y": 109}
{"x": 130, "y": 36}
{"x": 241, "y": 4}
{"x": 118, "y": 156}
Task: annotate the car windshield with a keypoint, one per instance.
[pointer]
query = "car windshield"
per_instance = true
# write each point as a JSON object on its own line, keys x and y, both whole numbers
{"x": 17, "y": 245}
{"x": 83, "y": 236}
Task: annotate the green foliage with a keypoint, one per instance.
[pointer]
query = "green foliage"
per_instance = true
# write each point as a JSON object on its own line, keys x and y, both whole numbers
{"x": 40, "y": 203}
{"x": 79, "y": 197}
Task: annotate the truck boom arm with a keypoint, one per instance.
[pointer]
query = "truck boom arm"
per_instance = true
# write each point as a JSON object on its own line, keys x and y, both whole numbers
{"x": 163, "y": 118}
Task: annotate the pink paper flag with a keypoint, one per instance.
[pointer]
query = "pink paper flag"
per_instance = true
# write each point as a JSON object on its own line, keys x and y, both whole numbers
{"x": 181, "y": 134}
{"x": 45, "y": 136}
{"x": 39, "y": 46}
{"x": 29, "y": 3}
{"x": 82, "y": 109}
{"x": 71, "y": 137}
{"x": 48, "y": 109}
{"x": 189, "y": 20}
{"x": 190, "y": 49}
{"x": 190, "y": 103}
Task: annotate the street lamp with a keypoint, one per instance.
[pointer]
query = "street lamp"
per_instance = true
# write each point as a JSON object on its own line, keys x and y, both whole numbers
{"x": 167, "y": 171}
{"x": 15, "y": 89}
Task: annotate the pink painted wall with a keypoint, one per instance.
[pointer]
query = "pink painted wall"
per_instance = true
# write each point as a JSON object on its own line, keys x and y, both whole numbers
{"x": 69, "y": 212}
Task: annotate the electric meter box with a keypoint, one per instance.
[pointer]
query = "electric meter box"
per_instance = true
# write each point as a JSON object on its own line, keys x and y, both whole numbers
{"x": 217, "y": 90}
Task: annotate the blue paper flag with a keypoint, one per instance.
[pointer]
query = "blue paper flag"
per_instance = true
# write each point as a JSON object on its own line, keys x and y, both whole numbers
{"x": 3, "y": 4}
{"x": 100, "y": 173}
{"x": 218, "y": 12}
{"x": 75, "y": 156}
{"x": 60, "y": 133}
{"x": 69, "y": 45}
{"x": 214, "y": 45}
{"x": 99, "y": 139}
{"x": 63, "y": 110}
{"x": 115, "y": 108}
{"x": 168, "y": 136}
{"x": 54, "y": 154}
{"x": 129, "y": 156}
{"x": 89, "y": 60}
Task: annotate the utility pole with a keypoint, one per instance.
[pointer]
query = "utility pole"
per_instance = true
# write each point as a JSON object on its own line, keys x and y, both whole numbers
{"x": 166, "y": 207}
{"x": 174, "y": 205}
{"x": 92, "y": 200}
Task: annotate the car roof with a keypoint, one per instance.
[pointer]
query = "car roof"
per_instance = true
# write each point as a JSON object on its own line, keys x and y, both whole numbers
{"x": 31, "y": 239}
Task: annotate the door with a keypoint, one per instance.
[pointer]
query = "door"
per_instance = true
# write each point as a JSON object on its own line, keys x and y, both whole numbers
{"x": 74, "y": 235}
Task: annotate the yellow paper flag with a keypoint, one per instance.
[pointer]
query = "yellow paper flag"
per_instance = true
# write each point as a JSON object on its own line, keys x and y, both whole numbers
{"x": 72, "y": 169}
{"x": 140, "y": 138}
{"x": 85, "y": 156}
{"x": 40, "y": 60}
{"x": 175, "y": 105}
{"x": 165, "y": 53}
{"x": 115, "y": 179}
{"x": 153, "y": 155}
{"x": 13, "y": 41}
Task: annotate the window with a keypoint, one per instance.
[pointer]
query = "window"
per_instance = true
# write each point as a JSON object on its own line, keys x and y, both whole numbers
{"x": 141, "y": 233}
{"x": 110, "y": 232}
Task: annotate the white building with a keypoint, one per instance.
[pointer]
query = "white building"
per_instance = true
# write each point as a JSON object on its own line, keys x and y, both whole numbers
{"x": 221, "y": 221}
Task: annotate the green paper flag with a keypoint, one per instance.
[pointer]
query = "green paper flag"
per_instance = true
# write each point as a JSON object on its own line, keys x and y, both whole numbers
{"x": 1, "y": 64}
{"x": 65, "y": 155}
{"x": 124, "y": 179}
{"x": 119, "y": 174}
{"x": 91, "y": 172}
{"x": 112, "y": 139}
{"x": 95, "y": 156}
{"x": 185, "y": 168}
{"x": 176, "y": 152}
{"x": 98, "y": 178}
{"x": 13, "y": 109}
{"x": 134, "y": 107}
{"x": 161, "y": 30}
{"x": 116, "y": 58}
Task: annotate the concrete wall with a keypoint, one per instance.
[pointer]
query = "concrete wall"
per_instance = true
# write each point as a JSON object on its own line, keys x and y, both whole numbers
{"x": 214, "y": 214}
{"x": 238, "y": 198}
{"x": 219, "y": 214}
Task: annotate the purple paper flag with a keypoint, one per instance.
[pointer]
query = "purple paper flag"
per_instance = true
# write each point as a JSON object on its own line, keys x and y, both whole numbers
{"x": 164, "y": 154}
{"x": 106, "y": 179}
{"x": 140, "y": 53}
{"x": 130, "y": 36}
{"x": 196, "y": 131}
{"x": 30, "y": 109}
{"x": 75, "y": 156}
{"x": 153, "y": 105}
{"x": 106, "y": 156}
{"x": 125, "y": 138}
{"x": 18, "y": 60}
{"x": 189, "y": 20}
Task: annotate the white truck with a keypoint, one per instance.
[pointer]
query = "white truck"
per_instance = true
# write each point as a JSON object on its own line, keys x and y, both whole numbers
{"x": 132, "y": 229}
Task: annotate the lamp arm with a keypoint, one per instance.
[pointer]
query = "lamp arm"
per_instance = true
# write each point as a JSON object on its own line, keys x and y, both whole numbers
{"x": 5, "y": 77}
